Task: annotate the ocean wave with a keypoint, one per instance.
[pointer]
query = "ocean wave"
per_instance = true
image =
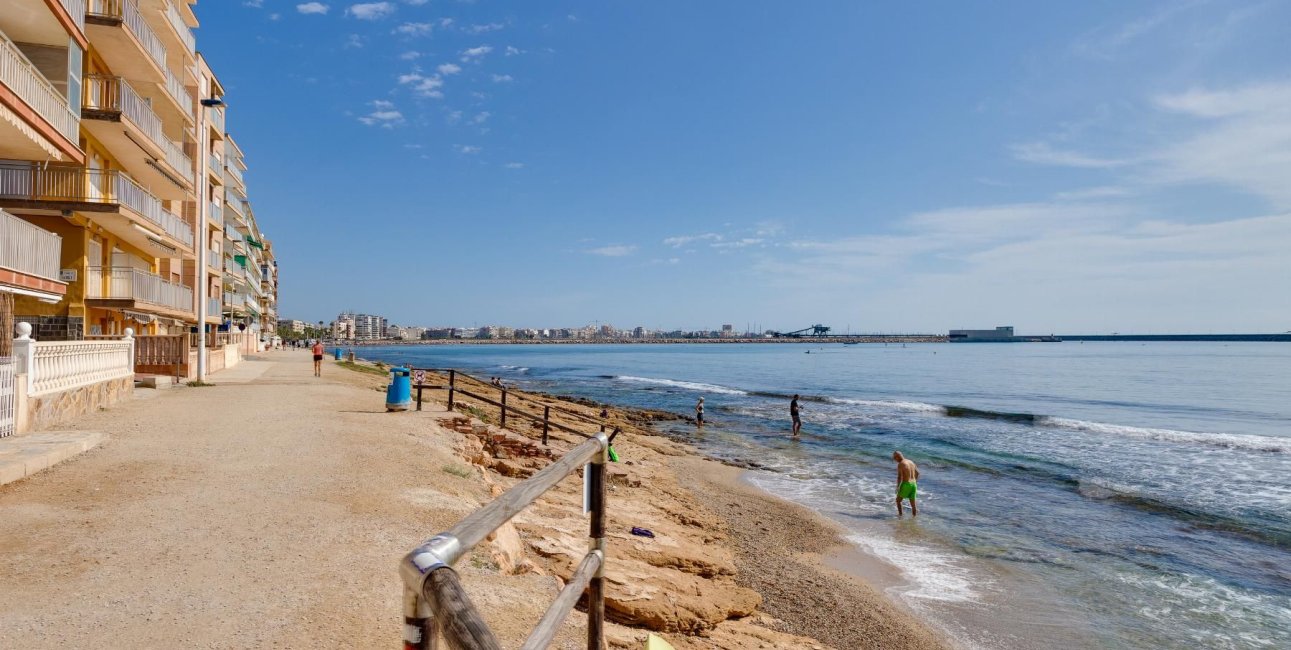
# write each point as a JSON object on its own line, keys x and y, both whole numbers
{"x": 515, "y": 368}
{"x": 688, "y": 385}
{"x": 1224, "y": 440}
{"x": 933, "y": 575}
{"x": 915, "y": 407}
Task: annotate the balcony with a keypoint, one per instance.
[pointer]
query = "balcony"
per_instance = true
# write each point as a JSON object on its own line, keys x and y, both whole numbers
{"x": 213, "y": 314}
{"x": 117, "y": 200}
{"x": 179, "y": 94}
{"x": 75, "y": 9}
{"x": 31, "y": 255}
{"x": 215, "y": 118}
{"x": 215, "y": 168}
{"x": 125, "y": 122}
{"x": 215, "y": 212}
{"x": 24, "y": 80}
{"x": 234, "y": 174}
{"x": 119, "y": 33}
{"x": 182, "y": 31}
{"x": 120, "y": 287}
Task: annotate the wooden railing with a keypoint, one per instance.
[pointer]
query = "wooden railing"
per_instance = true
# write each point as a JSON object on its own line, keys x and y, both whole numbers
{"x": 162, "y": 354}
{"x": 37, "y": 182}
{"x": 434, "y": 599}
{"x": 28, "y": 248}
{"x": 19, "y": 75}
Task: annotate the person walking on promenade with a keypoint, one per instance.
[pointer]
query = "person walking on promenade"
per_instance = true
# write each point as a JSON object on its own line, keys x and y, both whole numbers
{"x": 318, "y": 358}
{"x": 793, "y": 413}
{"x": 699, "y": 412}
{"x": 907, "y": 483}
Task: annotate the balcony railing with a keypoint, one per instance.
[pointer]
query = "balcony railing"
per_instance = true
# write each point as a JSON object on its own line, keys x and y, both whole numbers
{"x": 233, "y": 172}
{"x": 215, "y": 212}
{"x": 107, "y": 93}
{"x": 212, "y": 307}
{"x": 185, "y": 34}
{"x": 76, "y": 9}
{"x": 20, "y": 76}
{"x": 175, "y": 86}
{"x": 217, "y": 165}
{"x": 27, "y": 248}
{"x": 217, "y": 118}
{"x": 127, "y": 11}
{"x": 127, "y": 283}
{"x": 34, "y": 182}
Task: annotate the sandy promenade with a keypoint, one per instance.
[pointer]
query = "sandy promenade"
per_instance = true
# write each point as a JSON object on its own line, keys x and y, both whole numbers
{"x": 270, "y": 510}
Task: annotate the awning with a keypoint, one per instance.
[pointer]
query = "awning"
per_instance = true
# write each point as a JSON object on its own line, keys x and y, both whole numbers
{"x": 251, "y": 241}
{"x": 138, "y": 316}
{"x": 35, "y": 136}
{"x": 43, "y": 296}
{"x": 241, "y": 260}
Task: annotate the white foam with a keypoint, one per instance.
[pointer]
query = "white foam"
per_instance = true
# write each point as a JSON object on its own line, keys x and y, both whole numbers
{"x": 932, "y": 575}
{"x": 688, "y": 385}
{"x": 1226, "y": 440}
{"x": 918, "y": 407}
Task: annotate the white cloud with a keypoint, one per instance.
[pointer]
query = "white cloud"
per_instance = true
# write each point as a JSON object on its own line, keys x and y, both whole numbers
{"x": 449, "y": 68}
{"x": 410, "y": 55}
{"x": 615, "y": 250}
{"x": 682, "y": 240}
{"x": 475, "y": 53}
{"x": 254, "y": 4}
{"x": 514, "y": 165}
{"x": 1101, "y": 192}
{"x": 739, "y": 243}
{"x": 445, "y": 22}
{"x": 467, "y": 148}
{"x": 1044, "y": 154}
{"x": 353, "y": 41}
{"x": 502, "y": 78}
{"x": 414, "y": 29}
{"x": 384, "y": 115}
{"x": 416, "y": 3}
{"x": 312, "y": 8}
{"x": 480, "y": 29}
{"x": 513, "y": 51}
{"x": 1243, "y": 142}
{"x": 481, "y": 117}
{"x": 370, "y": 10}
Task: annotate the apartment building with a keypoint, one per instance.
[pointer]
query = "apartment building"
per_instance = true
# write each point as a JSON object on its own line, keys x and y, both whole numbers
{"x": 112, "y": 139}
{"x": 250, "y": 281}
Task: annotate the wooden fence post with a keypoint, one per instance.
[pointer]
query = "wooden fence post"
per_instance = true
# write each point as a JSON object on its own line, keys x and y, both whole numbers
{"x": 452, "y": 388}
{"x": 596, "y": 588}
{"x": 546, "y": 423}
{"x": 504, "y": 408}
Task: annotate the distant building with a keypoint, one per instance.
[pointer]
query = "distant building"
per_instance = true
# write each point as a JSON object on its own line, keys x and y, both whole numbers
{"x": 997, "y": 335}
{"x": 728, "y": 331}
{"x": 294, "y": 326}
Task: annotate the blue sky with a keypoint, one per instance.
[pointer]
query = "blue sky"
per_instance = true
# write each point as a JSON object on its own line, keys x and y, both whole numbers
{"x": 1060, "y": 167}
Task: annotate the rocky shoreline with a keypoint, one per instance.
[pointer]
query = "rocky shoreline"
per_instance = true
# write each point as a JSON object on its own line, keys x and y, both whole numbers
{"x": 727, "y": 566}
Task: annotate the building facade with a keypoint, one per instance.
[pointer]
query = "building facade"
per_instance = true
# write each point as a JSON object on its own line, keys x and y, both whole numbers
{"x": 106, "y": 143}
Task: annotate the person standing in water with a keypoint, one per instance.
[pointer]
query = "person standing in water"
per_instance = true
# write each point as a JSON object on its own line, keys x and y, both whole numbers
{"x": 699, "y": 412}
{"x": 793, "y": 413}
{"x": 907, "y": 483}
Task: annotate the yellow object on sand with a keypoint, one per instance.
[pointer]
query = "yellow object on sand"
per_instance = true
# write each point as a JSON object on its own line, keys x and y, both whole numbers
{"x": 655, "y": 643}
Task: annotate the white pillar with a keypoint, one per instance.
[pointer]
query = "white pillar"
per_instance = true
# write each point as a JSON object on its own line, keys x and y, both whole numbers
{"x": 24, "y": 354}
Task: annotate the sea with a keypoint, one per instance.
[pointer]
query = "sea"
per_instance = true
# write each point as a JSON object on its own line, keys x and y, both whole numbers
{"x": 1072, "y": 495}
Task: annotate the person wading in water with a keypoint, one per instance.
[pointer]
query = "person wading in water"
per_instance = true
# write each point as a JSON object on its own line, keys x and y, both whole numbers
{"x": 907, "y": 486}
{"x": 794, "y": 413}
{"x": 699, "y": 412}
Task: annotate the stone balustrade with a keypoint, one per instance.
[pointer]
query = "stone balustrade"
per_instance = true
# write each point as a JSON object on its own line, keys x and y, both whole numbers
{"x": 57, "y": 366}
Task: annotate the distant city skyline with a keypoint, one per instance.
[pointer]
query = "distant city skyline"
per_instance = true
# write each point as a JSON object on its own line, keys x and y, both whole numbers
{"x": 1094, "y": 167}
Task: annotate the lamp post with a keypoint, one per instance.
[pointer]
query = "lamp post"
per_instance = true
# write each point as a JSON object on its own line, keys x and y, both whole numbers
{"x": 203, "y": 250}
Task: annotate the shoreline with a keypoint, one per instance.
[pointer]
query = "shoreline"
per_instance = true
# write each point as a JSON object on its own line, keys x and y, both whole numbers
{"x": 815, "y": 582}
{"x": 846, "y": 339}
{"x": 806, "y": 590}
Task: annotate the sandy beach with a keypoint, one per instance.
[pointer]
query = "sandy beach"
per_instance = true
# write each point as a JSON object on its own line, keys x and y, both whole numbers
{"x": 271, "y": 508}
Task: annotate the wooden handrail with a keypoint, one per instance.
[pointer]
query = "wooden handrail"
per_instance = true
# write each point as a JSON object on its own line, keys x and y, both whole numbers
{"x": 428, "y": 575}
{"x": 550, "y": 623}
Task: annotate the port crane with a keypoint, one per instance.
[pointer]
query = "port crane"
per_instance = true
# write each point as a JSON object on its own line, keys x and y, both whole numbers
{"x": 814, "y": 330}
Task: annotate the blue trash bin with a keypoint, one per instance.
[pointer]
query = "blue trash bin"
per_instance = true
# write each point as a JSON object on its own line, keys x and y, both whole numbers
{"x": 399, "y": 392}
{"x": 338, "y": 354}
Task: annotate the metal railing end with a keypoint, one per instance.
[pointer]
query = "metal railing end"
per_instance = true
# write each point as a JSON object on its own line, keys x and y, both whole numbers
{"x": 435, "y": 553}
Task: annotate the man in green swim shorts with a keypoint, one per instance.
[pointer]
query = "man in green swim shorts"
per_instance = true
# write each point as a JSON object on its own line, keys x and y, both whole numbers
{"x": 907, "y": 483}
